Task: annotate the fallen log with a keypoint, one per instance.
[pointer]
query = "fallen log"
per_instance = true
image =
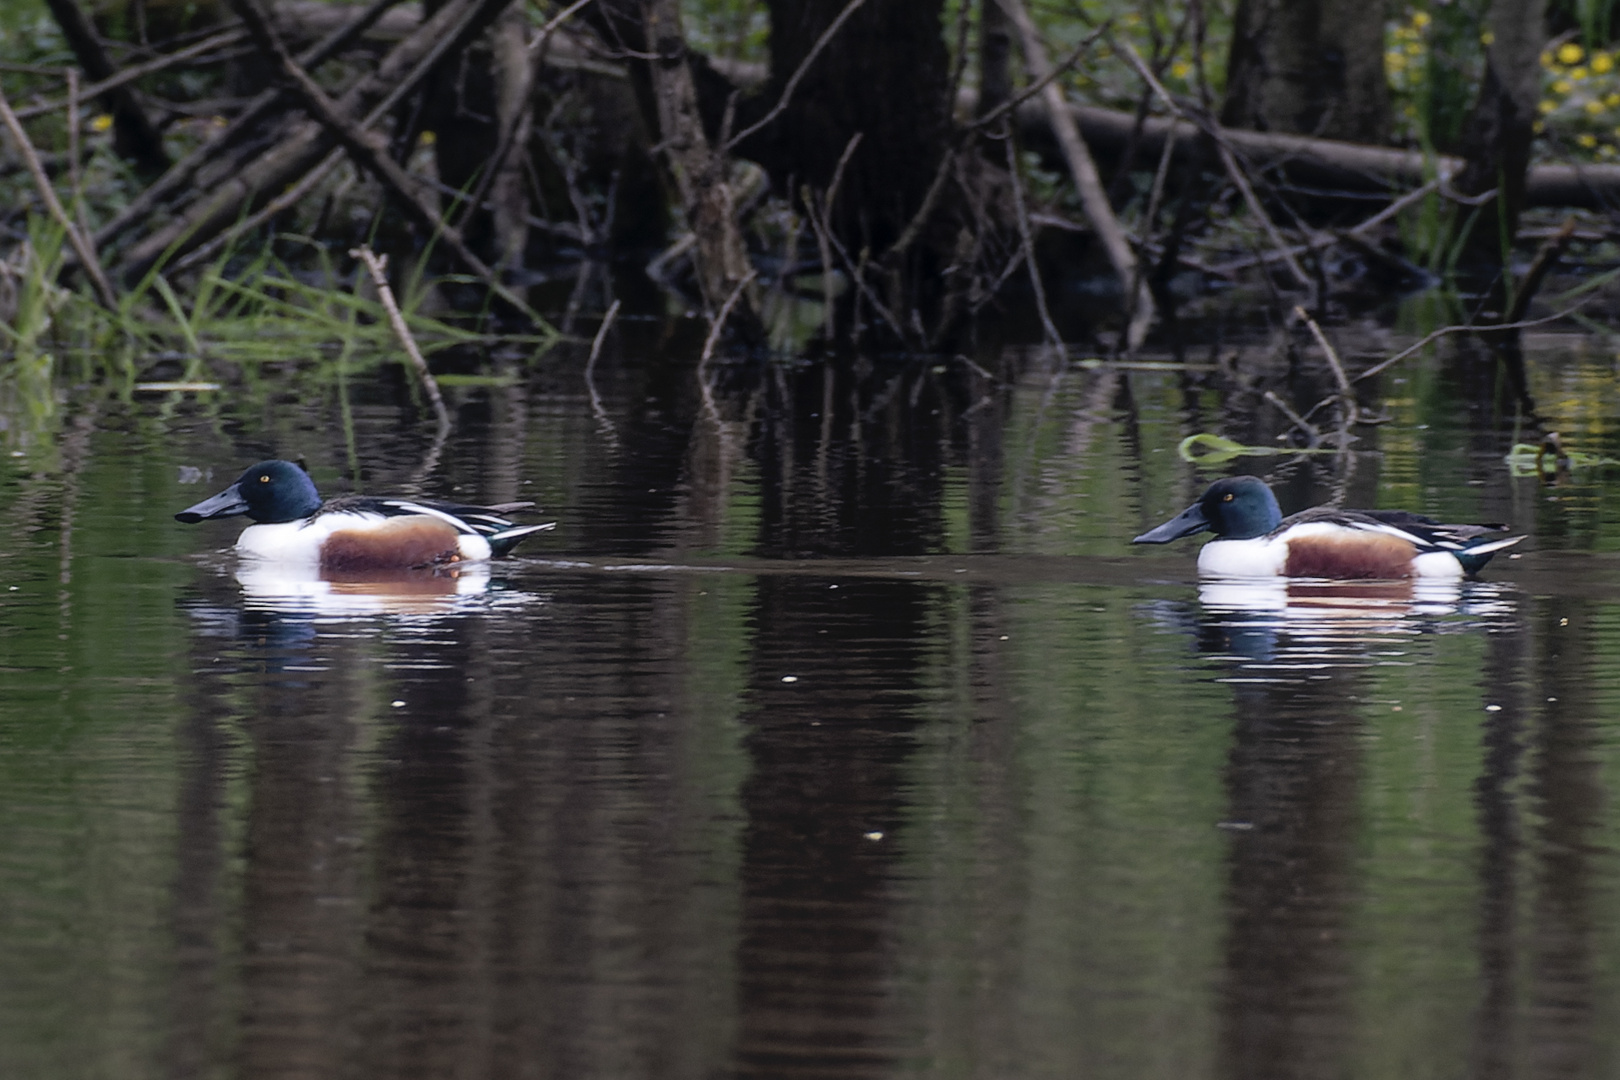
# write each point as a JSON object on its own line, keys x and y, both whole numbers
{"x": 1350, "y": 167}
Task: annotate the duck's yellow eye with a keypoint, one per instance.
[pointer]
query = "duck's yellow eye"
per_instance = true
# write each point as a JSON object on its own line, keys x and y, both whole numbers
{"x": 266, "y": 480}
{"x": 1227, "y": 497}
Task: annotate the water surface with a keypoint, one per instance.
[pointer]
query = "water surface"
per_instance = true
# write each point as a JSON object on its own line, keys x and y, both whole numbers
{"x": 835, "y": 732}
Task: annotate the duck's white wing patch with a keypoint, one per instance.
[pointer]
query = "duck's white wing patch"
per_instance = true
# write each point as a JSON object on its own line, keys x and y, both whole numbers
{"x": 418, "y": 508}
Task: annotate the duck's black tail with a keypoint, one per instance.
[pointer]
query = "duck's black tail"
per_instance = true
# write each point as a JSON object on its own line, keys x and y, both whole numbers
{"x": 503, "y": 542}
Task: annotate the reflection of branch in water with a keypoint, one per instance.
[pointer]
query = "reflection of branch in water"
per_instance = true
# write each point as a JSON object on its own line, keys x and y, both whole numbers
{"x": 430, "y": 461}
{"x": 602, "y": 421}
{"x": 709, "y": 408}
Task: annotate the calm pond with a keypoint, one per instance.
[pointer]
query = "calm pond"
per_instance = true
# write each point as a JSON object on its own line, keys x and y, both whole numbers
{"x": 836, "y": 731}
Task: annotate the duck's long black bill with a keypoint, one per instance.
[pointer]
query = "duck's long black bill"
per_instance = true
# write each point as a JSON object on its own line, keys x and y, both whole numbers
{"x": 227, "y": 503}
{"x": 1189, "y": 521}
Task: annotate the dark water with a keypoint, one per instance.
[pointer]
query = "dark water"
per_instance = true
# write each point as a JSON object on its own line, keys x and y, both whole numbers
{"x": 835, "y": 732}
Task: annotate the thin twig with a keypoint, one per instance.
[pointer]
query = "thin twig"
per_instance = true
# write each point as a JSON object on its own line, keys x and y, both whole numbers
{"x": 601, "y": 336}
{"x": 1087, "y": 182}
{"x": 1327, "y": 349}
{"x": 1551, "y": 250}
{"x": 942, "y": 174}
{"x": 75, "y": 171}
{"x": 130, "y": 74}
{"x": 720, "y": 319}
{"x": 1464, "y": 329}
{"x": 793, "y": 80}
{"x": 287, "y": 199}
{"x": 1229, "y": 162}
{"x": 824, "y": 248}
{"x": 378, "y": 265}
{"x": 1027, "y": 240}
{"x": 705, "y": 388}
{"x": 597, "y": 408}
{"x": 81, "y": 244}
{"x": 1035, "y": 88}
{"x": 1397, "y": 206}
{"x": 838, "y": 173}
{"x": 1298, "y": 420}
{"x": 503, "y": 147}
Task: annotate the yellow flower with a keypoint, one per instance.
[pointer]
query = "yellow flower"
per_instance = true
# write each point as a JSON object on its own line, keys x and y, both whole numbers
{"x": 1180, "y": 69}
{"x": 428, "y": 138}
{"x": 1546, "y": 57}
{"x": 1577, "y": 73}
{"x": 1487, "y": 38}
{"x": 1612, "y": 100}
{"x": 1570, "y": 53}
{"x": 1563, "y": 86}
{"x": 1605, "y": 151}
{"x": 1414, "y": 49}
{"x": 1538, "y": 127}
{"x": 1546, "y": 107}
{"x": 101, "y": 122}
{"x": 1593, "y": 107}
{"x": 1395, "y": 62}
{"x": 1420, "y": 19}
{"x": 1588, "y": 141}
{"x": 1602, "y": 63}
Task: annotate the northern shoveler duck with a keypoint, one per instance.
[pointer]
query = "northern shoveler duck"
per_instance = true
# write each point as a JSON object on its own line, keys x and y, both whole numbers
{"x": 1253, "y": 539}
{"x": 356, "y": 532}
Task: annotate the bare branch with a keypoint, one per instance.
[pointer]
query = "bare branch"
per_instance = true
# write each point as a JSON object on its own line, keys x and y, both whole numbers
{"x": 798, "y": 74}
{"x": 232, "y": 36}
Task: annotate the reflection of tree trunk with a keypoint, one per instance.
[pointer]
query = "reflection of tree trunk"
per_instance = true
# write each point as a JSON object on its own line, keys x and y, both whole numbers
{"x": 1293, "y": 780}
{"x": 1566, "y": 780}
{"x": 1496, "y": 140}
{"x": 824, "y": 797}
{"x": 1310, "y": 67}
{"x": 1493, "y": 1052}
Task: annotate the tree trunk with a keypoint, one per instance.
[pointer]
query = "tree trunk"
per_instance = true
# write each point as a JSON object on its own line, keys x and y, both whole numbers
{"x": 995, "y": 57}
{"x": 699, "y": 170}
{"x": 885, "y": 77}
{"x": 1496, "y": 142}
{"x": 1308, "y": 67}
{"x": 507, "y": 192}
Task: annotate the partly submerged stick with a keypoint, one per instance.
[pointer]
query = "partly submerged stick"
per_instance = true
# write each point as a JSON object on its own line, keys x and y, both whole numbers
{"x": 378, "y": 267}
{"x": 81, "y": 244}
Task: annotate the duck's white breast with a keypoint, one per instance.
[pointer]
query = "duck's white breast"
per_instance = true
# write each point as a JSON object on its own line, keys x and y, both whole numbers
{"x": 1258, "y": 557}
